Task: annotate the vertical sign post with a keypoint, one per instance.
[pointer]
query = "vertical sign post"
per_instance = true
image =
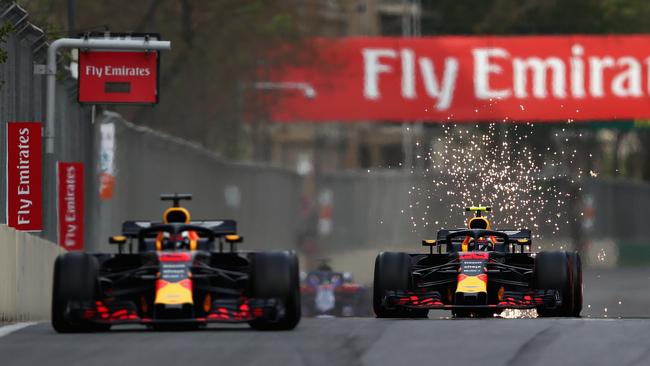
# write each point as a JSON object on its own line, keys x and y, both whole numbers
{"x": 70, "y": 183}
{"x": 24, "y": 176}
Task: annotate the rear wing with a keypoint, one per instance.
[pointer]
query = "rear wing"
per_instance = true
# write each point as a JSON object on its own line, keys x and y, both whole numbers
{"x": 131, "y": 229}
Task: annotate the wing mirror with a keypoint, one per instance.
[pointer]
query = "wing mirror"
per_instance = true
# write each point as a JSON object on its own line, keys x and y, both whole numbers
{"x": 232, "y": 239}
{"x": 117, "y": 239}
{"x": 430, "y": 243}
{"x": 522, "y": 243}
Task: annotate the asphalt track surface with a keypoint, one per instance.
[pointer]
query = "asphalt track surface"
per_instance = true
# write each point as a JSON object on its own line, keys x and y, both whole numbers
{"x": 591, "y": 340}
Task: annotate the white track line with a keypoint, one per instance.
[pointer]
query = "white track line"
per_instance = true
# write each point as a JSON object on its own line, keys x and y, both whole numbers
{"x": 8, "y": 329}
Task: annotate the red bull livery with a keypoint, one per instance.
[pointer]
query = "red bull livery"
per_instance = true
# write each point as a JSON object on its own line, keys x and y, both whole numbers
{"x": 182, "y": 273}
{"x": 477, "y": 272}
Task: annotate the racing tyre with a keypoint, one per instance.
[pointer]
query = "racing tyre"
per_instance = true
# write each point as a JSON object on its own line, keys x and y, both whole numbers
{"x": 576, "y": 277}
{"x": 553, "y": 271}
{"x": 275, "y": 275}
{"x": 393, "y": 272}
{"x": 75, "y": 282}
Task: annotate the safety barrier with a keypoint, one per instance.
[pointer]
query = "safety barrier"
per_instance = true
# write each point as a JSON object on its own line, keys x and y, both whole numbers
{"x": 26, "y": 267}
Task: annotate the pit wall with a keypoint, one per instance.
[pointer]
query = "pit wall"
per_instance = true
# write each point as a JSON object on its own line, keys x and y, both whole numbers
{"x": 26, "y": 268}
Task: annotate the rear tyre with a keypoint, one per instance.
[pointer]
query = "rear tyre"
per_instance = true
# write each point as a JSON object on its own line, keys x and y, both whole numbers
{"x": 393, "y": 273}
{"x": 553, "y": 271}
{"x": 75, "y": 281}
{"x": 275, "y": 275}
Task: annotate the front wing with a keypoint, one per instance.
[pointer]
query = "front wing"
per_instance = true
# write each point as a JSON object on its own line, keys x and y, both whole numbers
{"x": 510, "y": 300}
{"x": 222, "y": 311}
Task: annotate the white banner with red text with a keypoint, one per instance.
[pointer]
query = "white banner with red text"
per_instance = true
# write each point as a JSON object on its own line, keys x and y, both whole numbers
{"x": 70, "y": 183}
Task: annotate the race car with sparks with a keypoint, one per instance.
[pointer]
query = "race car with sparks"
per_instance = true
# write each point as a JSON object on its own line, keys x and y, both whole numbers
{"x": 477, "y": 272}
{"x": 182, "y": 274}
{"x": 326, "y": 292}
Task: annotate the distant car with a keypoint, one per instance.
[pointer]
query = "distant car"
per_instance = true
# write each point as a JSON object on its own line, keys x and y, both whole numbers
{"x": 327, "y": 292}
{"x": 479, "y": 273}
{"x": 181, "y": 275}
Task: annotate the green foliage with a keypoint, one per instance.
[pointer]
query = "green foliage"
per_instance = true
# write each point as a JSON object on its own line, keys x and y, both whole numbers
{"x": 280, "y": 24}
{"x": 536, "y": 16}
{"x": 5, "y": 30}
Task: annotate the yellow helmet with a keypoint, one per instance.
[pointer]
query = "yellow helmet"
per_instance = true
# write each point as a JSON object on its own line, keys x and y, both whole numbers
{"x": 176, "y": 215}
{"x": 479, "y": 223}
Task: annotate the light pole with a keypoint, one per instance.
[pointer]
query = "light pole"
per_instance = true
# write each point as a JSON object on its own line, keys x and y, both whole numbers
{"x": 410, "y": 28}
{"x": 84, "y": 43}
{"x": 307, "y": 90}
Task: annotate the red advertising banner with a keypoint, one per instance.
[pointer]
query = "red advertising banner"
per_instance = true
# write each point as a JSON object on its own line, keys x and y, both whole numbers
{"x": 70, "y": 183}
{"x": 118, "y": 77}
{"x": 24, "y": 176}
{"x": 438, "y": 79}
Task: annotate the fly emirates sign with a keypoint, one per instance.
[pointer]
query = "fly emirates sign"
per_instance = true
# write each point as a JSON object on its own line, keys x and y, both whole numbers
{"x": 70, "y": 183}
{"x": 437, "y": 79}
{"x": 24, "y": 176}
{"x": 118, "y": 77}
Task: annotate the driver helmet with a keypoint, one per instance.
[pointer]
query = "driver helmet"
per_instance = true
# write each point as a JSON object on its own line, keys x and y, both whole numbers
{"x": 477, "y": 222}
{"x": 186, "y": 240}
{"x": 176, "y": 215}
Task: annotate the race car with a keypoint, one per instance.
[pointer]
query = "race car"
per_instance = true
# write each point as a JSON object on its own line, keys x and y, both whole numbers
{"x": 327, "y": 292}
{"x": 477, "y": 272}
{"x": 181, "y": 274}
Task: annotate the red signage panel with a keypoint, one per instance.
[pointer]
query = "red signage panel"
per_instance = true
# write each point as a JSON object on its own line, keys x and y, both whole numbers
{"x": 438, "y": 79}
{"x": 70, "y": 183}
{"x": 24, "y": 176}
{"x": 118, "y": 77}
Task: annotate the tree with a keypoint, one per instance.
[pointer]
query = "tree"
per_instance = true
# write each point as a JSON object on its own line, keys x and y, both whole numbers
{"x": 5, "y": 30}
{"x": 217, "y": 46}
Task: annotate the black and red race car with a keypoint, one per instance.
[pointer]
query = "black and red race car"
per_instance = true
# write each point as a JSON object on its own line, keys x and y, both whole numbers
{"x": 182, "y": 274}
{"x": 326, "y": 292}
{"x": 477, "y": 272}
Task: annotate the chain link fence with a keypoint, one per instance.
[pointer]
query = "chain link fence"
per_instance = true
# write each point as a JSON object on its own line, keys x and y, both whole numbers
{"x": 22, "y": 98}
{"x": 263, "y": 199}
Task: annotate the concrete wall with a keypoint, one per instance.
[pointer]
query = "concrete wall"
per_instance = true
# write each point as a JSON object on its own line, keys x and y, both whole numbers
{"x": 26, "y": 267}
{"x": 264, "y": 200}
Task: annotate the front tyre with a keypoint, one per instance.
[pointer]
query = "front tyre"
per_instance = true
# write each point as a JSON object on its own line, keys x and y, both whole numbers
{"x": 576, "y": 278}
{"x": 75, "y": 282}
{"x": 275, "y": 275}
{"x": 556, "y": 271}
{"x": 393, "y": 273}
